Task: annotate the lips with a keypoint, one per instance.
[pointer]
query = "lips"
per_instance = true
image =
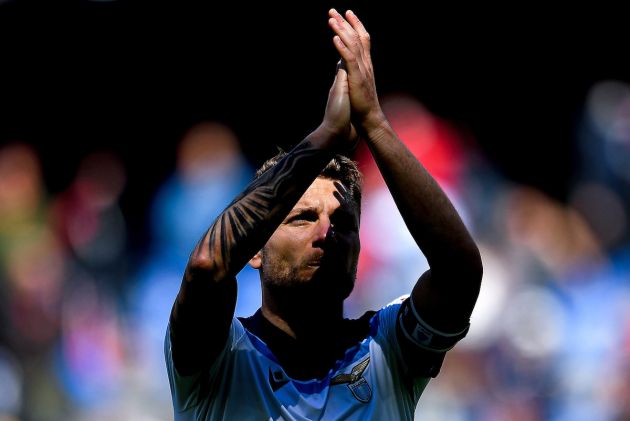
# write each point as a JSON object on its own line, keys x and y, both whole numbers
{"x": 316, "y": 260}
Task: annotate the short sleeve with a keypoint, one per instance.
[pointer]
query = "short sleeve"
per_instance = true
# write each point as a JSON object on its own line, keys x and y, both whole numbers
{"x": 414, "y": 361}
{"x": 189, "y": 391}
{"x": 383, "y": 326}
{"x": 423, "y": 347}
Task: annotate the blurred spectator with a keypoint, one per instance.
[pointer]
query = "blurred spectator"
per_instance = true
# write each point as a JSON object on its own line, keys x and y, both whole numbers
{"x": 602, "y": 182}
{"x": 31, "y": 286}
{"x": 210, "y": 171}
{"x": 90, "y": 221}
{"x": 91, "y": 227}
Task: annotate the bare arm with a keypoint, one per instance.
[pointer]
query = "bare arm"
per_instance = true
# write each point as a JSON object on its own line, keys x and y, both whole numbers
{"x": 203, "y": 310}
{"x": 445, "y": 295}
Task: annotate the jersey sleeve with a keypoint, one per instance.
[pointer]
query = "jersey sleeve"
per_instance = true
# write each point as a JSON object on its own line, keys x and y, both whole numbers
{"x": 189, "y": 390}
{"x": 418, "y": 348}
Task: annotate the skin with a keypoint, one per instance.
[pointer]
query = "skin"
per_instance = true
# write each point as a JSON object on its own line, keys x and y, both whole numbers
{"x": 294, "y": 256}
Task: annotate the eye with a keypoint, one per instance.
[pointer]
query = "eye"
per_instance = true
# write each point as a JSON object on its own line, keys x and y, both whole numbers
{"x": 303, "y": 217}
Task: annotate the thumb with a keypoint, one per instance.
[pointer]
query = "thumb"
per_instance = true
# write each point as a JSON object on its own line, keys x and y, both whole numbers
{"x": 340, "y": 85}
{"x": 341, "y": 64}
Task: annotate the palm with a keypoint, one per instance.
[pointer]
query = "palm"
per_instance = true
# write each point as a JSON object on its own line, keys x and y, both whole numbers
{"x": 337, "y": 116}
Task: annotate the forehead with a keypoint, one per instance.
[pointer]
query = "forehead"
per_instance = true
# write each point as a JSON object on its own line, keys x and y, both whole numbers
{"x": 324, "y": 193}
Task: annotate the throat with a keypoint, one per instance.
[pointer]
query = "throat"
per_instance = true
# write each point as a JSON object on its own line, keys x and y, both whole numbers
{"x": 305, "y": 327}
{"x": 308, "y": 357}
{"x": 305, "y": 317}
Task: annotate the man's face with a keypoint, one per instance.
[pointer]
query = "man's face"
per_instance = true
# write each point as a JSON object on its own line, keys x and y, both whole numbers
{"x": 317, "y": 245}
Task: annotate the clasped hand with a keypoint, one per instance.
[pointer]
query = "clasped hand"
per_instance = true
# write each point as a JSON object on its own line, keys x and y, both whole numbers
{"x": 352, "y": 100}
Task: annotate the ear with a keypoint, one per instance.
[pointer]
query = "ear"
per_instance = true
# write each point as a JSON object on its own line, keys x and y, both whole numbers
{"x": 256, "y": 261}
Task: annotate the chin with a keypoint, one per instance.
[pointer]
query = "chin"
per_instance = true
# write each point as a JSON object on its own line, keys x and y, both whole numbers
{"x": 330, "y": 284}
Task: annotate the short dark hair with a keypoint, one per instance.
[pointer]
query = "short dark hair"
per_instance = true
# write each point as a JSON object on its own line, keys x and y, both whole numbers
{"x": 339, "y": 168}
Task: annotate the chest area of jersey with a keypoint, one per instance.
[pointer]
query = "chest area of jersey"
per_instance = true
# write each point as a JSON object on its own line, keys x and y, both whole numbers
{"x": 348, "y": 387}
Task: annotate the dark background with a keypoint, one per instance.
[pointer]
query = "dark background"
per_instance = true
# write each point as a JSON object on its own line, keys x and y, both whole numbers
{"x": 132, "y": 77}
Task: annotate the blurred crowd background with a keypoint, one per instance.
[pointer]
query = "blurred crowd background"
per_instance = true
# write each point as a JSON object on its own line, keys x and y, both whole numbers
{"x": 102, "y": 200}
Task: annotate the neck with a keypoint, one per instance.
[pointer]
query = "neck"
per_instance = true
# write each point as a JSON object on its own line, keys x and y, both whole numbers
{"x": 301, "y": 317}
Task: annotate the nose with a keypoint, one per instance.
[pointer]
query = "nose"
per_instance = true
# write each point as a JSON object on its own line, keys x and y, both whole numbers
{"x": 325, "y": 230}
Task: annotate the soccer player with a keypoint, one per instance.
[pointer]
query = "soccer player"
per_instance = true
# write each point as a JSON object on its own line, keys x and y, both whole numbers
{"x": 298, "y": 223}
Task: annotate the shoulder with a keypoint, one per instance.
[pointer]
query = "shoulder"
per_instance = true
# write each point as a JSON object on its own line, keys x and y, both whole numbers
{"x": 385, "y": 318}
{"x": 190, "y": 390}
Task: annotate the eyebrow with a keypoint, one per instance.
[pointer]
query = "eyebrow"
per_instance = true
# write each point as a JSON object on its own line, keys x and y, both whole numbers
{"x": 347, "y": 206}
{"x": 303, "y": 209}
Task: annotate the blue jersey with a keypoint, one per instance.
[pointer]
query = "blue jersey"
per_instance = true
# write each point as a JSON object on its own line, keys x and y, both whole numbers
{"x": 370, "y": 382}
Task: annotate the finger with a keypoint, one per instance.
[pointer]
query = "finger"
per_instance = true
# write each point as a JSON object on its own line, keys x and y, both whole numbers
{"x": 340, "y": 29}
{"x": 333, "y": 13}
{"x": 364, "y": 36}
{"x": 347, "y": 33}
{"x": 341, "y": 78}
{"x": 348, "y": 56}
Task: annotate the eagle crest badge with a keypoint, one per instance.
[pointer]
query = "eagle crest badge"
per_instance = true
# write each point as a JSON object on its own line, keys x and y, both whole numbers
{"x": 357, "y": 384}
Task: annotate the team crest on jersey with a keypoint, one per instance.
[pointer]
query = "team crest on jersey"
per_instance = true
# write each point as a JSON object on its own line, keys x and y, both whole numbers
{"x": 357, "y": 384}
{"x": 361, "y": 390}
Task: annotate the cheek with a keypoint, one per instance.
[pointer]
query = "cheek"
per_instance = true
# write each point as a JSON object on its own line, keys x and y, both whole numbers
{"x": 283, "y": 245}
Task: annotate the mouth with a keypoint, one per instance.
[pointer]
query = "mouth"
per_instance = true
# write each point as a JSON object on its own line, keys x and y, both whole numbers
{"x": 316, "y": 259}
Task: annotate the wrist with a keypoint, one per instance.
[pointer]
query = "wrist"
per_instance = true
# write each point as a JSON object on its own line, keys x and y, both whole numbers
{"x": 329, "y": 137}
{"x": 374, "y": 126}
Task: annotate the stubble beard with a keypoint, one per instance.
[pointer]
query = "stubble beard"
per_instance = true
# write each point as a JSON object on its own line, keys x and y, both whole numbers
{"x": 325, "y": 281}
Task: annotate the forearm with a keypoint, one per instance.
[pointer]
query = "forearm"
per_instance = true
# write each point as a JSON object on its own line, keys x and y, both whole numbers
{"x": 428, "y": 213}
{"x": 204, "y": 307}
{"x": 446, "y": 294}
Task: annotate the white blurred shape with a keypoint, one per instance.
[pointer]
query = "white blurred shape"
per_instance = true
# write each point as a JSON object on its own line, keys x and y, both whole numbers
{"x": 534, "y": 322}
{"x": 484, "y": 322}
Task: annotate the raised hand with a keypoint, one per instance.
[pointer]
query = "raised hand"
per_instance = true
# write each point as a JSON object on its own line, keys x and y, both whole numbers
{"x": 353, "y": 44}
